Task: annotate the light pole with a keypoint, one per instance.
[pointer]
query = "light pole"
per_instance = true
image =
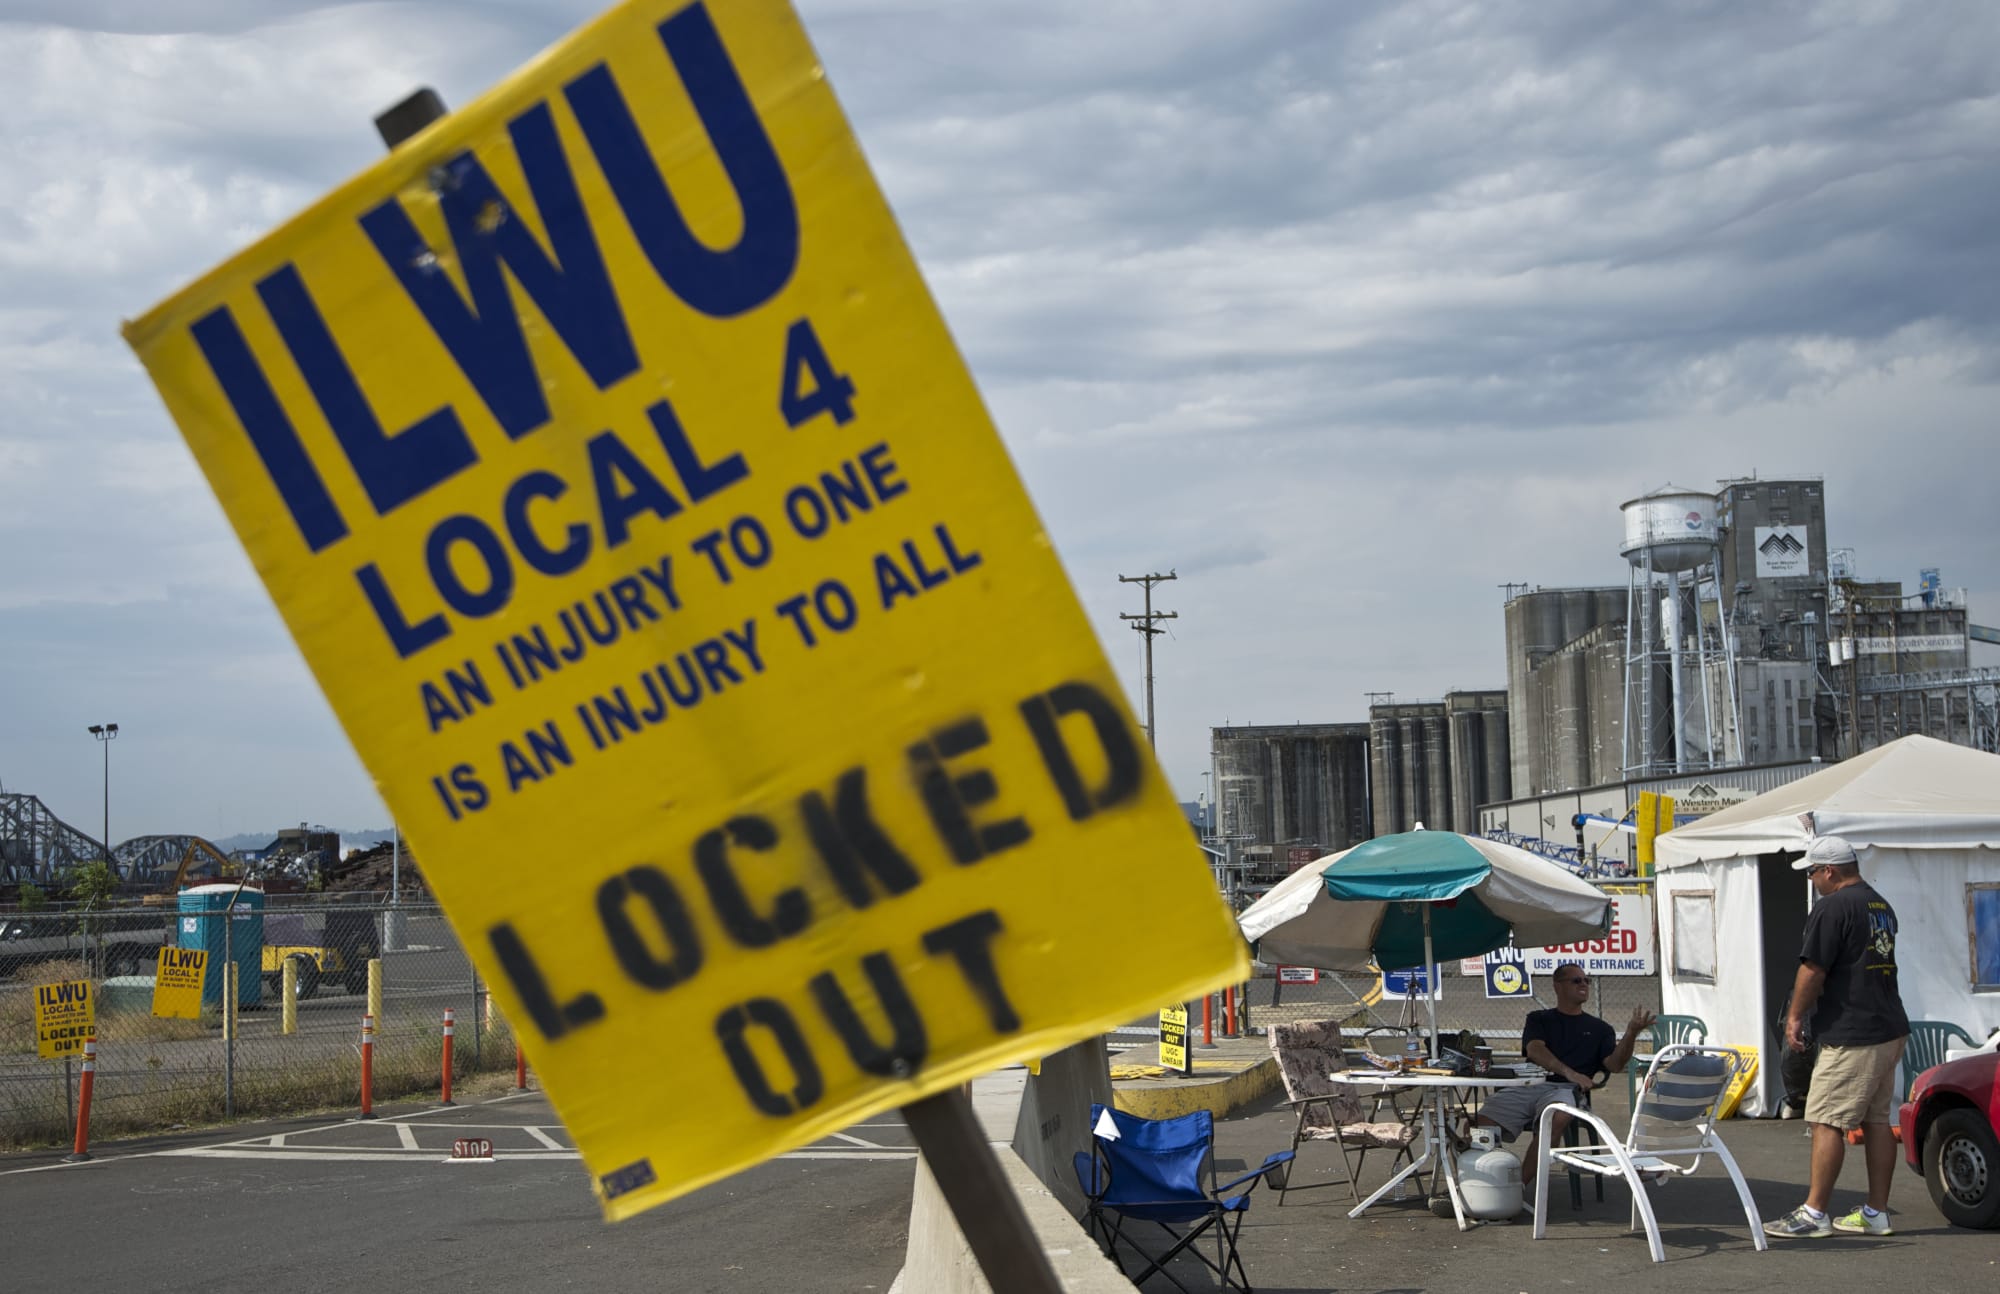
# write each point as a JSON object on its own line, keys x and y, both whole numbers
{"x": 106, "y": 733}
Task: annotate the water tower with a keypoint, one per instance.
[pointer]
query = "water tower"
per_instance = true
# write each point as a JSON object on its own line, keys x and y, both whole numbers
{"x": 1680, "y": 674}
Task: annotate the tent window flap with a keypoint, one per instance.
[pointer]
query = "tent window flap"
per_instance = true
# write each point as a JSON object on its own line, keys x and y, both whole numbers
{"x": 1982, "y": 914}
{"x": 1694, "y": 935}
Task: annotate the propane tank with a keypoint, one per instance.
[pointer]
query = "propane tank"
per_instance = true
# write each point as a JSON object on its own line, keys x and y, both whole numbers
{"x": 1489, "y": 1177}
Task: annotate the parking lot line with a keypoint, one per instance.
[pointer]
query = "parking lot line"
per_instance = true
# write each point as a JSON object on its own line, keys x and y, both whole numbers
{"x": 351, "y": 1140}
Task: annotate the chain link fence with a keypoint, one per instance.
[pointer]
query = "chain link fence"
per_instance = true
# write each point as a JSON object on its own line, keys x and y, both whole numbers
{"x": 1355, "y": 1002}
{"x": 154, "y": 1073}
{"x": 1462, "y": 1004}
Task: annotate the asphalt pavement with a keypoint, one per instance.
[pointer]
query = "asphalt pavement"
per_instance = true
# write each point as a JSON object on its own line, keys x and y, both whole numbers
{"x": 335, "y": 1204}
{"x": 1310, "y": 1245}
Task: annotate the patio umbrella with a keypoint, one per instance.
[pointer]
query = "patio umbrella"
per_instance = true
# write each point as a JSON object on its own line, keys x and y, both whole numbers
{"x": 1418, "y": 898}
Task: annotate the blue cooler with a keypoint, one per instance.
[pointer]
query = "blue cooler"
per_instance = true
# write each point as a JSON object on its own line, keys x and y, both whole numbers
{"x": 201, "y": 926}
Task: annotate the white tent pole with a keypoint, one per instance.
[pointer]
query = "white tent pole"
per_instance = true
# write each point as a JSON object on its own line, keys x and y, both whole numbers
{"x": 1430, "y": 988}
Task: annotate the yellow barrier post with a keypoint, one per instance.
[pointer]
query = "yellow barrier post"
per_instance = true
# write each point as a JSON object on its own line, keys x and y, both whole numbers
{"x": 289, "y": 989}
{"x": 375, "y": 987}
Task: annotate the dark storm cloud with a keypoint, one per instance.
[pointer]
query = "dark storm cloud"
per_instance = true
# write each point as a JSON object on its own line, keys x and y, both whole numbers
{"x": 1349, "y": 312}
{"x": 1532, "y": 212}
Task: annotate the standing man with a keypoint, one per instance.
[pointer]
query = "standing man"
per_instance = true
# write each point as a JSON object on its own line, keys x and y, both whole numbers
{"x": 1572, "y": 1045}
{"x": 1847, "y": 987}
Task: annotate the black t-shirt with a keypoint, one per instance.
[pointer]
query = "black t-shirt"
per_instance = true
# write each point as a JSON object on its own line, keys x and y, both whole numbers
{"x": 1581, "y": 1041}
{"x": 1851, "y": 935}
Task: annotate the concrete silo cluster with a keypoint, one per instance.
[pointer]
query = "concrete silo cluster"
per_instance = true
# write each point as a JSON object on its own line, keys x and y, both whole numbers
{"x": 1436, "y": 762}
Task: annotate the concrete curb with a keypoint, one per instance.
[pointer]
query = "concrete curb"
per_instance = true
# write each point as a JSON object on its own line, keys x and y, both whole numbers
{"x": 1168, "y": 1100}
{"x": 940, "y": 1262}
{"x": 1047, "y": 1116}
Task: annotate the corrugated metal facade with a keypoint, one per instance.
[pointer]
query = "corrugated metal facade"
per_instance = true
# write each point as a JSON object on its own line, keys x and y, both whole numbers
{"x": 1547, "y": 818}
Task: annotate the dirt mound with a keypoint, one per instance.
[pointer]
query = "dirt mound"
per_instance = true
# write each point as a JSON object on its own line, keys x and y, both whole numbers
{"x": 372, "y": 868}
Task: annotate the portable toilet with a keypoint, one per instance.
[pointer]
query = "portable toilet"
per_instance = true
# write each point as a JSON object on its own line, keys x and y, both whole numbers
{"x": 202, "y": 926}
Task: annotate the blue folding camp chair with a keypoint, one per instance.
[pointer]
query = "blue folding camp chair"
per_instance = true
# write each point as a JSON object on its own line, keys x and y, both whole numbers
{"x": 1153, "y": 1171}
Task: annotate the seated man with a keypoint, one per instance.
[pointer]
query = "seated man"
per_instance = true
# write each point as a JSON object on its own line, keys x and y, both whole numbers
{"x": 1572, "y": 1045}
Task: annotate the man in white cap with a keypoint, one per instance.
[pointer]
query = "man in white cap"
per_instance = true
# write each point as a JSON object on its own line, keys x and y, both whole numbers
{"x": 1846, "y": 987}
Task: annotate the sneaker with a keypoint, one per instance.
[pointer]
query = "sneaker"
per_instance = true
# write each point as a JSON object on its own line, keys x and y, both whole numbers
{"x": 1860, "y": 1224}
{"x": 1799, "y": 1225}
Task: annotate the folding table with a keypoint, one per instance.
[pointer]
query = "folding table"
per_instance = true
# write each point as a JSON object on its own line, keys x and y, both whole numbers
{"x": 1436, "y": 1090}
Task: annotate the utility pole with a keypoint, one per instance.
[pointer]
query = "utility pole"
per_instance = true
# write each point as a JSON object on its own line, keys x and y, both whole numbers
{"x": 1147, "y": 625}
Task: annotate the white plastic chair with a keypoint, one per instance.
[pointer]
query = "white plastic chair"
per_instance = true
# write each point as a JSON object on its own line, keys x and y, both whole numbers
{"x": 1673, "y": 1126}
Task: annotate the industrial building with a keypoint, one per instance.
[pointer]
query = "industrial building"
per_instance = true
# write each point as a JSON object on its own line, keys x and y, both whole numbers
{"x": 1742, "y": 639}
{"x": 1286, "y": 794}
{"x": 1741, "y": 652}
{"x": 1581, "y": 827}
{"x": 1777, "y": 587}
{"x": 1290, "y": 789}
{"x": 1905, "y": 670}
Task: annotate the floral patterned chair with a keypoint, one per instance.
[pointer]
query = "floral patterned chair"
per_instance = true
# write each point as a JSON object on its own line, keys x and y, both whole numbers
{"x": 1307, "y": 1054}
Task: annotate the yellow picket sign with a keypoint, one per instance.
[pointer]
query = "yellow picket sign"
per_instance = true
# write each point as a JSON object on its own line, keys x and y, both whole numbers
{"x": 615, "y": 473}
{"x": 177, "y": 983}
{"x": 65, "y": 1018}
{"x": 1174, "y": 1036}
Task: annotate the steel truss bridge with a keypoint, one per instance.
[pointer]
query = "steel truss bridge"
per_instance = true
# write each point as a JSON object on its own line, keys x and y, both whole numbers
{"x": 38, "y": 848}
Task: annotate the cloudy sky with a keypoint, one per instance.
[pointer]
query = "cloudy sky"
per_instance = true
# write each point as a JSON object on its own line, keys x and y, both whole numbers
{"x": 1348, "y": 313}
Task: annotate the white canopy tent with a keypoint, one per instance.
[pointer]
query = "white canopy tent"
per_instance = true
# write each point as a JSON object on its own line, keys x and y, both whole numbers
{"x": 1924, "y": 818}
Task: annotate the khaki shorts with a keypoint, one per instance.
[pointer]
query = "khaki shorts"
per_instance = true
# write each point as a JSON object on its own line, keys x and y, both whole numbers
{"x": 1515, "y": 1109}
{"x": 1852, "y": 1086}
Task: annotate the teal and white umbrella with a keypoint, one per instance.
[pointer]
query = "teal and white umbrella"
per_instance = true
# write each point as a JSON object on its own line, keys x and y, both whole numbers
{"x": 1418, "y": 898}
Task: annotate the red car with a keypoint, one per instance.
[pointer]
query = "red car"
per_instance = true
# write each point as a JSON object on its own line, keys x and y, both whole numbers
{"x": 1949, "y": 1135}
